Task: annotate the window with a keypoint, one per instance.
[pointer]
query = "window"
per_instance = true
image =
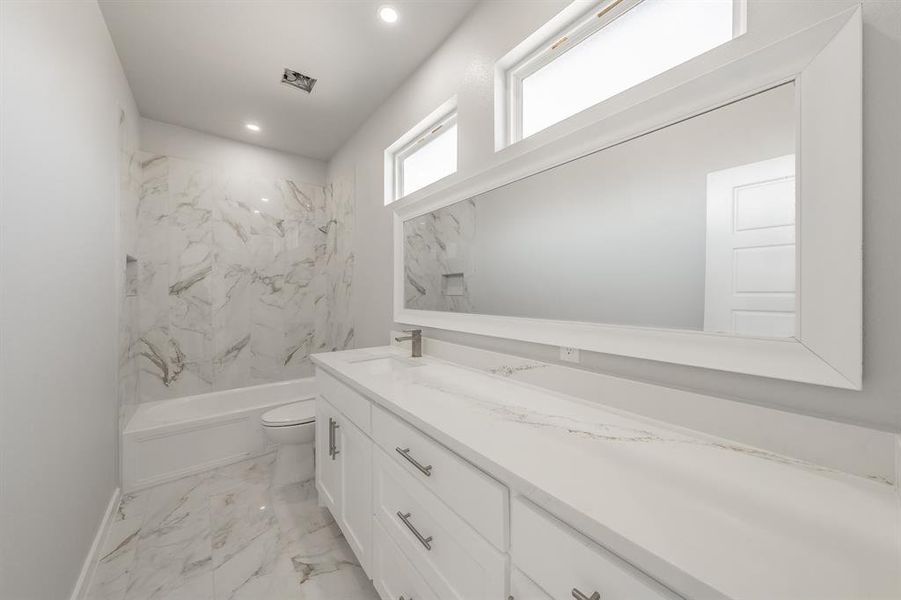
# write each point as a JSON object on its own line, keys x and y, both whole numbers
{"x": 419, "y": 159}
{"x": 620, "y": 44}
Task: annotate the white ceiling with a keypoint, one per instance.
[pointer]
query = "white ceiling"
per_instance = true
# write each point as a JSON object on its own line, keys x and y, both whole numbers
{"x": 213, "y": 65}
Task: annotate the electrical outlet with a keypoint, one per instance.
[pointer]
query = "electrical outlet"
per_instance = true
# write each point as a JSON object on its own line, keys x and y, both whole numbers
{"x": 569, "y": 354}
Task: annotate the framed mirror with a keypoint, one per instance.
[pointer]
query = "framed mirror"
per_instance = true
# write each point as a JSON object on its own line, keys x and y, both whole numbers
{"x": 716, "y": 224}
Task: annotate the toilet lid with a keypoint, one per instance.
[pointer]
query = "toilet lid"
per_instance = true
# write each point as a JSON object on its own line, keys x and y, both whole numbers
{"x": 291, "y": 414}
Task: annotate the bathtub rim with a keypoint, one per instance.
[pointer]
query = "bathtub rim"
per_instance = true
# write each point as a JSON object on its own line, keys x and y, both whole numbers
{"x": 198, "y": 422}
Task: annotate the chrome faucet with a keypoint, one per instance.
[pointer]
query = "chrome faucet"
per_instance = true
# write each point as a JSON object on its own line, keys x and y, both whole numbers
{"x": 416, "y": 336}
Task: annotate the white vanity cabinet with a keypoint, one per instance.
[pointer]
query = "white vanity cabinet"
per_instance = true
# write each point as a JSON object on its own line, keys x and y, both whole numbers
{"x": 457, "y": 562}
{"x": 344, "y": 476}
{"x": 454, "y": 484}
{"x": 428, "y": 525}
{"x": 423, "y": 522}
{"x": 479, "y": 499}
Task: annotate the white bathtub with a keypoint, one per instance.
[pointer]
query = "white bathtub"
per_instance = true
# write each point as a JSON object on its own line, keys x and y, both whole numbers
{"x": 169, "y": 439}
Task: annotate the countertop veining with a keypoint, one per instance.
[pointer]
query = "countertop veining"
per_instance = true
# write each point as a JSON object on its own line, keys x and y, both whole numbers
{"x": 710, "y": 518}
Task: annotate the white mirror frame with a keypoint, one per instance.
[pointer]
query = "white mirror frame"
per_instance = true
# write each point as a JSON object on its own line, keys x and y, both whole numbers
{"x": 825, "y": 63}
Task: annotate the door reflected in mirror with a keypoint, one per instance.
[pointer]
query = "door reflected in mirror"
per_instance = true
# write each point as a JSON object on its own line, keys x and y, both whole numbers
{"x": 689, "y": 227}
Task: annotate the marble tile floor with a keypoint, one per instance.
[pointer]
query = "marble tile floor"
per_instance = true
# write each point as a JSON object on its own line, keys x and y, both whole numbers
{"x": 227, "y": 534}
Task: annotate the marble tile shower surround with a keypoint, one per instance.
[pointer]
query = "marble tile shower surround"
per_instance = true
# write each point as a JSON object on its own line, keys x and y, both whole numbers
{"x": 234, "y": 290}
{"x": 437, "y": 244}
{"x": 227, "y": 534}
{"x": 129, "y": 195}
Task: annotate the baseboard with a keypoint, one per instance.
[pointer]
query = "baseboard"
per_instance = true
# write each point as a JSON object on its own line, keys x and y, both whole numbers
{"x": 90, "y": 561}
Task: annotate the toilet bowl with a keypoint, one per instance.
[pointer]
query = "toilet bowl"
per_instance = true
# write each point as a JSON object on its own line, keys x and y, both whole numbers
{"x": 292, "y": 428}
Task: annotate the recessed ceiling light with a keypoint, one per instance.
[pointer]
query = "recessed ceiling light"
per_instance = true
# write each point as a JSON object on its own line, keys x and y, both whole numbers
{"x": 252, "y": 126}
{"x": 388, "y": 14}
{"x": 256, "y": 211}
{"x": 265, "y": 199}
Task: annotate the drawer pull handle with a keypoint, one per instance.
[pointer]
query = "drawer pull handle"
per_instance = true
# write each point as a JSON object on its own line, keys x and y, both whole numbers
{"x": 332, "y": 447}
{"x": 331, "y": 438}
{"x": 425, "y": 541}
{"x": 580, "y": 596}
{"x": 405, "y": 452}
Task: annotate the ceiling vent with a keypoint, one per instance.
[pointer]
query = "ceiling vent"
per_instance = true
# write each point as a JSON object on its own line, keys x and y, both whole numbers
{"x": 298, "y": 80}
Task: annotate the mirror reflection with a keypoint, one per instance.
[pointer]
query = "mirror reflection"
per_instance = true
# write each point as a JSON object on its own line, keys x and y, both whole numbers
{"x": 689, "y": 227}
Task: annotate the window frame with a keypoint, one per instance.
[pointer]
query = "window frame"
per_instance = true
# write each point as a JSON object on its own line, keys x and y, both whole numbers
{"x": 426, "y": 136}
{"x": 568, "y": 37}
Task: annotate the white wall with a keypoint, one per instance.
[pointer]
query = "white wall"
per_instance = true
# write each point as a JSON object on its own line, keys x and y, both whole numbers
{"x": 247, "y": 159}
{"x": 63, "y": 88}
{"x": 464, "y": 66}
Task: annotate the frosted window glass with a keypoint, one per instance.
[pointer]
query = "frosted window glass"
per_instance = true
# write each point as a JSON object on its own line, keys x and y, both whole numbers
{"x": 652, "y": 37}
{"x": 436, "y": 159}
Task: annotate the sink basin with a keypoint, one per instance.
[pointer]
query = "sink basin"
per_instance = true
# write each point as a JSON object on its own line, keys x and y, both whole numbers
{"x": 384, "y": 364}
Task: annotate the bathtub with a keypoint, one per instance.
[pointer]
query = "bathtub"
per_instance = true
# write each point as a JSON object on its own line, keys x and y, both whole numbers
{"x": 168, "y": 439}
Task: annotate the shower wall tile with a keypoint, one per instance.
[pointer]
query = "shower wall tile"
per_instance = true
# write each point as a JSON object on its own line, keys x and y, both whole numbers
{"x": 130, "y": 181}
{"x": 436, "y": 244}
{"x": 193, "y": 190}
{"x": 159, "y": 359}
{"x": 240, "y": 278}
{"x": 341, "y": 332}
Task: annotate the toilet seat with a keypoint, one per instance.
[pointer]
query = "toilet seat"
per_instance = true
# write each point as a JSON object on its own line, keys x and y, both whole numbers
{"x": 296, "y": 413}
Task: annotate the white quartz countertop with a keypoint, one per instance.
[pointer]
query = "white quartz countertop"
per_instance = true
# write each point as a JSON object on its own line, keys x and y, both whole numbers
{"x": 707, "y": 517}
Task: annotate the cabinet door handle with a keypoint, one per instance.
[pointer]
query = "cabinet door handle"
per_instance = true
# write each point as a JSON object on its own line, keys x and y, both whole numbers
{"x": 580, "y": 596}
{"x": 425, "y": 541}
{"x": 331, "y": 438}
{"x": 405, "y": 452}
{"x": 335, "y": 451}
{"x": 332, "y": 447}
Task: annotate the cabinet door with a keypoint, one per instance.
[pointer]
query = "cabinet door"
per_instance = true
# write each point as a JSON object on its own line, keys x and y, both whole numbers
{"x": 355, "y": 450}
{"x": 328, "y": 464}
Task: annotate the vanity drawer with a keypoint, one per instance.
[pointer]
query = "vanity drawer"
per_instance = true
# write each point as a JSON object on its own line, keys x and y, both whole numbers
{"x": 561, "y": 560}
{"x": 455, "y": 561}
{"x": 479, "y": 499}
{"x": 523, "y": 588}
{"x": 393, "y": 575}
{"x": 355, "y": 406}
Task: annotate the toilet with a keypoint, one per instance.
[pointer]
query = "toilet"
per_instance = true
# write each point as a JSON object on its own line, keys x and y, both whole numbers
{"x": 292, "y": 428}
